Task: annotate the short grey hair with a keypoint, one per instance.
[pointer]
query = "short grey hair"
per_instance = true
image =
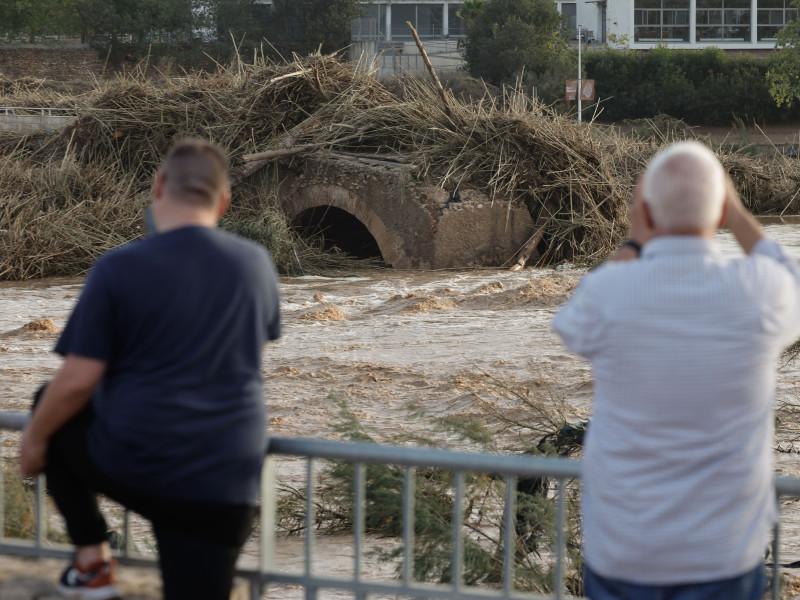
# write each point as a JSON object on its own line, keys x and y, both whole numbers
{"x": 685, "y": 187}
{"x": 196, "y": 172}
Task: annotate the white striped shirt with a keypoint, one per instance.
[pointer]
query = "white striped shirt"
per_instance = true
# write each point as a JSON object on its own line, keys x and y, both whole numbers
{"x": 677, "y": 481}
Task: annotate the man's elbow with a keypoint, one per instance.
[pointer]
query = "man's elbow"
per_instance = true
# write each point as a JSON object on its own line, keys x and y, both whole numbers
{"x": 79, "y": 376}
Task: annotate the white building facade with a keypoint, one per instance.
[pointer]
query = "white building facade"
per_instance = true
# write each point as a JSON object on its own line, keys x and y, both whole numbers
{"x": 637, "y": 24}
{"x": 726, "y": 24}
{"x": 387, "y": 21}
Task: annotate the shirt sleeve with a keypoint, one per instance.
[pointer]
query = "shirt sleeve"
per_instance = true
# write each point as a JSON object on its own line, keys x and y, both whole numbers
{"x": 786, "y": 301}
{"x": 89, "y": 330}
{"x": 770, "y": 248}
{"x": 272, "y": 318}
{"x": 580, "y": 322}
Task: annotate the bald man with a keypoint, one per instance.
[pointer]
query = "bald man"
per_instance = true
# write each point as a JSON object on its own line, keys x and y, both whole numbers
{"x": 159, "y": 401}
{"x": 678, "y": 499}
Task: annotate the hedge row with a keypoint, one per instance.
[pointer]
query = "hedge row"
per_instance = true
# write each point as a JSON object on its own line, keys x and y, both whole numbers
{"x": 706, "y": 86}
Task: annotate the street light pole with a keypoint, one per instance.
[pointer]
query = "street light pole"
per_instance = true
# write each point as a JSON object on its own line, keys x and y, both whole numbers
{"x": 579, "y": 72}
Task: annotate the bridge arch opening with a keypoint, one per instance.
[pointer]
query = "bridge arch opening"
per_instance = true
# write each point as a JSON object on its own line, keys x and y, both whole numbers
{"x": 336, "y": 227}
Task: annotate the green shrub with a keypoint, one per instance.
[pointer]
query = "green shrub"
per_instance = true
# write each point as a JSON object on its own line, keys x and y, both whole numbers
{"x": 510, "y": 37}
{"x": 706, "y": 86}
{"x": 482, "y": 515}
{"x": 19, "y": 520}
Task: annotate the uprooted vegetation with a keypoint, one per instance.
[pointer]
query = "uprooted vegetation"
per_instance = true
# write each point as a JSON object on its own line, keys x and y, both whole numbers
{"x": 482, "y": 516}
{"x": 71, "y": 196}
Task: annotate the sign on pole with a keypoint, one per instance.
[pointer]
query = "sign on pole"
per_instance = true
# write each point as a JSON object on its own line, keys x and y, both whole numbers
{"x": 572, "y": 90}
{"x": 587, "y": 89}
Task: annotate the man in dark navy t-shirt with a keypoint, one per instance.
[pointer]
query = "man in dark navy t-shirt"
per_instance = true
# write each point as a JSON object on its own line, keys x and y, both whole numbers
{"x": 159, "y": 401}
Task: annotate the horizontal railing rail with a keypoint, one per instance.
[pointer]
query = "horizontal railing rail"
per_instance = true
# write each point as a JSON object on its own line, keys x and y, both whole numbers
{"x": 508, "y": 468}
{"x": 44, "y": 111}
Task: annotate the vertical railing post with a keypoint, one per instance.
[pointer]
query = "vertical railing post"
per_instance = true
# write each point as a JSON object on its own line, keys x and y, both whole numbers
{"x": 558, "y": 583}
{"x": 2, "y": 486}
{"x": 40, "y": 517}
{"x": 266, "y": 555}
{"x": 409, "y": 488}
{"x": 359, "y": 498}
{"x": 509, "y": 535}
{"x": 311, "y": 590}
{"x": 458, "y": 548}
{"x": 127, "y": 546}
{"x": 776, "y": 574}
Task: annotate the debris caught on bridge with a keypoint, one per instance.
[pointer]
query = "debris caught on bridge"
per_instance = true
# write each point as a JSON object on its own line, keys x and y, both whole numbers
{"x": 71, "y": 196}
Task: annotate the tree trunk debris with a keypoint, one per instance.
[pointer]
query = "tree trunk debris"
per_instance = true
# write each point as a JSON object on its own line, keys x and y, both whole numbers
{"x": 431, "y": 70}
{"x": 529, "y": 247}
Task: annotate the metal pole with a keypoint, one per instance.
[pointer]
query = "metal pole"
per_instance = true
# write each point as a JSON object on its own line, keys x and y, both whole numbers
{"x": 409, "y": 483}
{"x": 266, "y": 560}
{"x": 776, "y": 574}
{"x": 558, "y": 584}
{"x": 579, "y": 72}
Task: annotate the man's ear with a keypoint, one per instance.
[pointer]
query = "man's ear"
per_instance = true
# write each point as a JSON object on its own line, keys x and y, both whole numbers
{"x": 724, "y": 215}
{"x": 647, "y": 216}
{"x": 224, "y": 203}
{"x": 158, "y": 186}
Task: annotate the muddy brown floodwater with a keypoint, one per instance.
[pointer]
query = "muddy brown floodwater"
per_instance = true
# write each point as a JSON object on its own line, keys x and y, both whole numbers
{"x": 382, "y": 340}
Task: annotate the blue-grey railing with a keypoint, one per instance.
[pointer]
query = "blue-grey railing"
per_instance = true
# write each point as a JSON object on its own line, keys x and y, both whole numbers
{"x": 510, "y": 467}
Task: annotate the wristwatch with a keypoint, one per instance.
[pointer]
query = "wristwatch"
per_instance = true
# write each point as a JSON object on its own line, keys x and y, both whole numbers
{"x": 631, "y": 244}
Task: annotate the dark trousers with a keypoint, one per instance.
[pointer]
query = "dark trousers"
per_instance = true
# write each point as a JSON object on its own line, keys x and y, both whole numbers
{"x": 749, "y": 586}
{"x": 198, "y": 543}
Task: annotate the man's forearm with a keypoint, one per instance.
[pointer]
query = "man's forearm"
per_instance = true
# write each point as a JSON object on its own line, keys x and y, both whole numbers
{"x": 65, "y": 396}
{"x": 56, "y": 407}
{"x": 746, "y": 229}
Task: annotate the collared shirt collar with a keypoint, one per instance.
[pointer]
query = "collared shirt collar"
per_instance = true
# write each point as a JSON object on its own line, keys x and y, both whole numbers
{"x": 680, "y": 244}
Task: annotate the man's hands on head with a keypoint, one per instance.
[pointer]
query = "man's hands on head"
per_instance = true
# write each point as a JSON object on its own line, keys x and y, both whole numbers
{"x": 642, "y": 230}
{"x": 641, "y": 227}
{"x": 739, "y": 220}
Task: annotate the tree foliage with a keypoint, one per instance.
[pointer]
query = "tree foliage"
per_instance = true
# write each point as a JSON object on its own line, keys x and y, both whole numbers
{"x": 469, "y": 11}
{"x": 784, "y": 74}
{"x": 304, "y": 26}
{"x": 512, "y": 36}
{"x": 130, "y": 26}
{"x": 704, "y": 86}
{"x": 137, "y": 18}
{"x": 35, "y": 17}
{"x": 482, "y": 515}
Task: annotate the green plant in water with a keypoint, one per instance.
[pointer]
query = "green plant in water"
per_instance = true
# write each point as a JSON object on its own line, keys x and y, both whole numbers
{"x": 19, "y": 502}
{"x": 481, "y": 517}
{"x": 19, "y": 520}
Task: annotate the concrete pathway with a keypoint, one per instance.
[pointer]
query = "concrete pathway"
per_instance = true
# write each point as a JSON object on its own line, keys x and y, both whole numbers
{"x": 35, "y": 579}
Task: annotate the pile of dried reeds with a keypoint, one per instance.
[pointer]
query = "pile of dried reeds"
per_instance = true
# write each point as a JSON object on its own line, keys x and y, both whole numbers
{"x": 66, "y": 198}
{"x": 70, "y": 197}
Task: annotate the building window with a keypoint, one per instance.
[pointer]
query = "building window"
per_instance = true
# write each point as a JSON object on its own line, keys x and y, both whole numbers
{"x": 426, "y": 19}
{"x": 400, "y": 14}
{"x": 773, "y": 15}
{"x": 569, "y": 12}
{"x": 661, "y": 20}
{"x": 368, "y": 25}
{"x": 457, "y": 27}
{"x": 723, "y": 20}
{"x": 429, "y": 20}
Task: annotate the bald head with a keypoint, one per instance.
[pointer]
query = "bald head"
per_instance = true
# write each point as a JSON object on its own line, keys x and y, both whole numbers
{"x": 195, "y": 172}
{"x": 684, "y": 188}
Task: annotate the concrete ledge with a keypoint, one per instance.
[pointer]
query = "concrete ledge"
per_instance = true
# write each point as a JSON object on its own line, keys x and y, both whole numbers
{"x": 34, "y": 123}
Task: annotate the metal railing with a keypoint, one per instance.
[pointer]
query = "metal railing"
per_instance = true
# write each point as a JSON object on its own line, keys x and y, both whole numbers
{"x": 36, "y": 110}
{"x": 359, "y": 454}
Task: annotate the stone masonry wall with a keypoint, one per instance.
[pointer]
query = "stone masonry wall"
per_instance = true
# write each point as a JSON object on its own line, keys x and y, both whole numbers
{"x": 62, "y": 64}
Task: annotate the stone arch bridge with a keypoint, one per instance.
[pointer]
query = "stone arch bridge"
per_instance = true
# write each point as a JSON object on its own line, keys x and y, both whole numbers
{"x": 413, "y": 225}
